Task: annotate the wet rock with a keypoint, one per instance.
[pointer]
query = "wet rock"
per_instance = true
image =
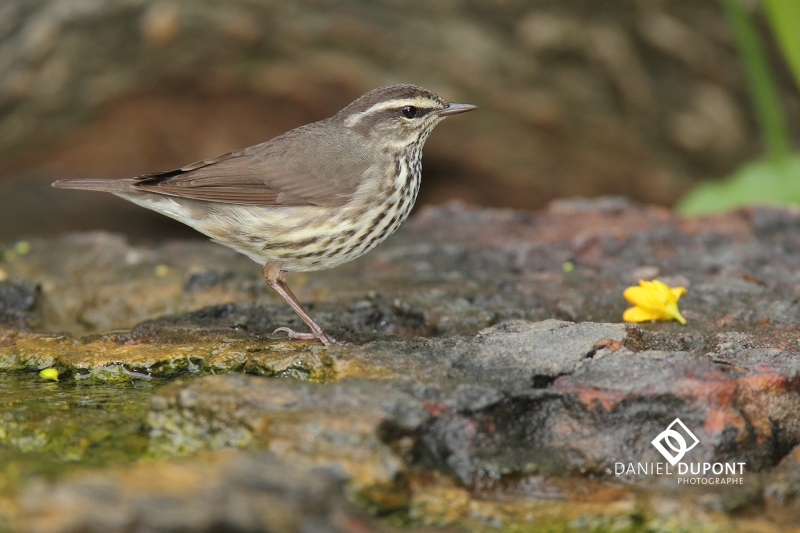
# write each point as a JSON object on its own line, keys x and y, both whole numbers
{"x": 510, "y": 356}
{"x": 451, "y": 271}
{"x": 736, "y": 418}
{"x": 475, "y": 427}
{"x": 465, "y": 398}
{"x": 388, "y": 437}
{"x": 17, "y": 301}
{"x": 337, "y": 425}
{"x": 519, "y": 355}
{"x": 782, "y": 489}
{"x": 224, "y": 492}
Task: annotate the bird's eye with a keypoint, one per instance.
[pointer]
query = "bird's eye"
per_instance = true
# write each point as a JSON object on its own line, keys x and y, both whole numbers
{"x": 409, "y": 111}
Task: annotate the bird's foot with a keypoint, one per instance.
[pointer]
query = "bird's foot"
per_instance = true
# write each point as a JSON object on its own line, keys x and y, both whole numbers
{"x": 322, "y": 337}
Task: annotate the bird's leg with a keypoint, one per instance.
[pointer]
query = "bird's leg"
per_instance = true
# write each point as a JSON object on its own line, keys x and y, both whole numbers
{"x": 276, "y": 278}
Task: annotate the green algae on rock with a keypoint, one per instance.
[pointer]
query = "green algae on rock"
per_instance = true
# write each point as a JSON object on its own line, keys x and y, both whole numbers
{"x": 48, "y": 427}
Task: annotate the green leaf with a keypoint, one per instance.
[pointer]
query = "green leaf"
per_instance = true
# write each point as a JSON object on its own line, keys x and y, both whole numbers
{"x": 784, "y": 18}
{"x": 760, "y": 182}
{"x": 766, "y": 104}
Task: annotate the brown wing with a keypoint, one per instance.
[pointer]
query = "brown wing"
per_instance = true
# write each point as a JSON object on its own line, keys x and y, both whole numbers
{"x": 310, "y": 165}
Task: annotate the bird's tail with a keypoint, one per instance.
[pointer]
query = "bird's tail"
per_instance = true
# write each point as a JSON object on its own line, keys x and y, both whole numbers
{"x": 113, "y": 186}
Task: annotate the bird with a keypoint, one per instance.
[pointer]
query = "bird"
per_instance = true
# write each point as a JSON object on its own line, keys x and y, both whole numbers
{"x": 310, "y": 199}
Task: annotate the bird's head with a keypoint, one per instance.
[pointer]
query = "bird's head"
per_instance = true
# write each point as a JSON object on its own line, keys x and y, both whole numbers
{"x": 398, "y": 115}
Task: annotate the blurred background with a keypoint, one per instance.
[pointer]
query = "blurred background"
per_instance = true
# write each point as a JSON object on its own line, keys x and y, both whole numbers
{"x": 642, "y": 98}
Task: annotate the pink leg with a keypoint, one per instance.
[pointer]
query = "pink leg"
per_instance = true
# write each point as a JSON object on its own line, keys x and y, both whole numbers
{"x": 276, "y": 278}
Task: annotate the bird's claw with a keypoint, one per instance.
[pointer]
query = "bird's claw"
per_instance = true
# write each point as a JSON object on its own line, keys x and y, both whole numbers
{"x": 322, "y": 337}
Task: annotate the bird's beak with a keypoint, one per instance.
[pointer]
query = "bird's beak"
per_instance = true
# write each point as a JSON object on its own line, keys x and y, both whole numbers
{"x": 454, "y": 109}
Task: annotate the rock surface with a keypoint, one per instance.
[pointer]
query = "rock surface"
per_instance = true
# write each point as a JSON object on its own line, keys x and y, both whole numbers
{"x": 489, "y": 382}
{"x": 226, "y": 492}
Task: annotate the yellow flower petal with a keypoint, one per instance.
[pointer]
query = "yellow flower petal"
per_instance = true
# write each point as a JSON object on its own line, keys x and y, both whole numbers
{"x": 677, "y": 292}
{"x": 640, "y": 296}
{"x": 639, "y": 314}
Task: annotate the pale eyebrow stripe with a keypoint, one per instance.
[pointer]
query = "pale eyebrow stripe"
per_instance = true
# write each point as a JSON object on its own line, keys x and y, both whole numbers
{"x": 396, "y": 103}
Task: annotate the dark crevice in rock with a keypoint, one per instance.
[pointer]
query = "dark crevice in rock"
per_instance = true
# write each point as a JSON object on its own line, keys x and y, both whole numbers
{"x": 543, "y": 382}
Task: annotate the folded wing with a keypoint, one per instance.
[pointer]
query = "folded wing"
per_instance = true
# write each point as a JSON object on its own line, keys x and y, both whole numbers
{"x": 306, "y": 166}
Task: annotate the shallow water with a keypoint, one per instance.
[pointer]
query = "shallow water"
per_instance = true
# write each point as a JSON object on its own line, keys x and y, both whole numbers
{"x": 48, "y": 428}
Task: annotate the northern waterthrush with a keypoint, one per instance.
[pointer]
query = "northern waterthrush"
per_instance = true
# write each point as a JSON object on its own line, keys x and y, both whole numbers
{"x": 312, "y": 198}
